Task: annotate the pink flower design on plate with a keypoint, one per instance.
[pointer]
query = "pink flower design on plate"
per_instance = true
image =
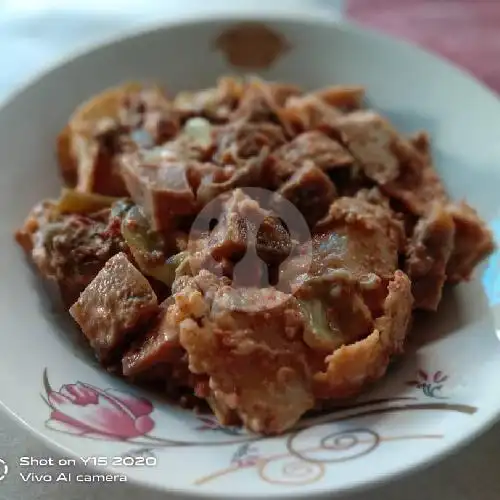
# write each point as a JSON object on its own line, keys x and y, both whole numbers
{"x": 85, "y": 410}
{"x": 429, "y": 384}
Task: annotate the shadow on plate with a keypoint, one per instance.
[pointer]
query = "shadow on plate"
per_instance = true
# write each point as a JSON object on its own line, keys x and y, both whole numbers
{"x": 52, "y": 308}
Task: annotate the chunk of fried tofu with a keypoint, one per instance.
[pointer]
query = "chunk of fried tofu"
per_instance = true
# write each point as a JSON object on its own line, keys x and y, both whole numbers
{"x": 117, "y": 301}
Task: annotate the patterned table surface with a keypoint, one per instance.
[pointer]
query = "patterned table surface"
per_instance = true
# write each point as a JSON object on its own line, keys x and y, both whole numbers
{"x": 465, "y": 31}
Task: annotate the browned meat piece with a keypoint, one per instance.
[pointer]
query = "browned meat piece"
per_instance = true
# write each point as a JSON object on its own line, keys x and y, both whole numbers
{"x": 380, "y": 150}
{"x": 404, "y": 172}
{"x": 350, "y": 180}
{"x": 263, "y": 102}
{"x": 417, "y": 190}
{"x": 326, "y": 153}
{"x": 116, "y": 121}
{"x": 159, "y": 346}
{"x": 276, "y": 172}
{"x": 256, "y": 361}
{"x": 203, "y": 175}
{"x": 161, "y": 188}
{"x": 183, "y": 148}
{"x": 319, "y": 110}
{"x": 427, "y": 256}
{"x": 355, "y": 253}
{"x": 173, "y": 380}
{"x": 309, "y": 112}
{"x": 360, "y": 236}
{"x": 117, "y": 301}
{"x": 351, "y": 367}
{"x": 215, "y": 104}
{"x": 473, "y": 242}
{"x": 249, "y": 173}
{"x": 149, "y": 116}
{"x": 277, "y": 93}
{"x": 241, "y": 140}
{"x": 346, "y": 98}
{"x": 311, "y": 191}
{"x": 95, "y": 157}
{"x": 375, "y": 196}
{"x": 70, "y": 249}
{"x": 40, "y": 215}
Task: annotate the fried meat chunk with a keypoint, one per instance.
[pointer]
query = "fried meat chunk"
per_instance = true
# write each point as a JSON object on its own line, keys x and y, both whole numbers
{"x": 473, "y": 242}
{"x": 117, "y": 121}
{"x": 360, "y": 236}
{"x": 315, "y": 146}
{"x": 351, "y": 367}
{"x": 311, "y": 191}
{"x": 117, "y": 301}
{"x": 428, "y": 253}
{"x": 69, "y": 249}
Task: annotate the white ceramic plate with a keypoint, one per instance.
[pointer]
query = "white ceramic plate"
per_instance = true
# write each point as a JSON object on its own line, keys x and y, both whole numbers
{"x": 439, "y": 396}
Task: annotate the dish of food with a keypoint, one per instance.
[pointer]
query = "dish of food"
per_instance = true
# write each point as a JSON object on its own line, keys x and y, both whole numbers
{"x": 162, "y": 303}
{"x": 307, "y": 302}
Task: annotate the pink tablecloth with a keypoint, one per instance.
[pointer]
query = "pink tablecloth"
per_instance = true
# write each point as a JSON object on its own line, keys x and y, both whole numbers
{"x": 465, "y": 31}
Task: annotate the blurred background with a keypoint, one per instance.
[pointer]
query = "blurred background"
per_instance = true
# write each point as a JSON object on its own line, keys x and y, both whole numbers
{"x": 33, "y": 33}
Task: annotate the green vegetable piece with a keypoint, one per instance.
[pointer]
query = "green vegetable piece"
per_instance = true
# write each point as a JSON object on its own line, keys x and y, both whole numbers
{"x": 147, "y": 247}
{"x": 320, "y": 334}
{"x": 77, "y": 202}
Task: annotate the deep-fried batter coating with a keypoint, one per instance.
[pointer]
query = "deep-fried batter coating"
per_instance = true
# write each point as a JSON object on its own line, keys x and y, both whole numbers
{"x": 256, "y": 360}
{"x": 353, "y": 366}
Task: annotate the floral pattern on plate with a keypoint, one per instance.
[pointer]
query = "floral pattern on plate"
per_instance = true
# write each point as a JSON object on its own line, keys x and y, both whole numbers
{"x": 430, "y": 384}
{"x": 318, "y": 442}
